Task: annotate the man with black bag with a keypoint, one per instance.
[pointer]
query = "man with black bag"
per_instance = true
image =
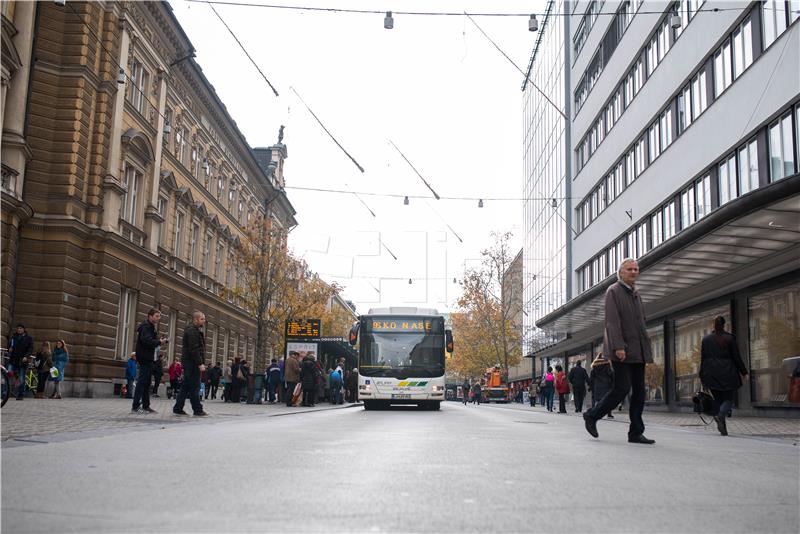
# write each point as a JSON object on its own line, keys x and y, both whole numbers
{"x": 147, "y": 339}
{"x": 192, "y": 359}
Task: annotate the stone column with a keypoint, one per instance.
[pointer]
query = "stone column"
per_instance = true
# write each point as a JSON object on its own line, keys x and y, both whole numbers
{"x": 112, "y": 184}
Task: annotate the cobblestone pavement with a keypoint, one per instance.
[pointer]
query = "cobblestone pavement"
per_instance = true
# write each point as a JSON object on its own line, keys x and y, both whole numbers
{"x": 756, "y": 427}
{"x": 33, "y": 418}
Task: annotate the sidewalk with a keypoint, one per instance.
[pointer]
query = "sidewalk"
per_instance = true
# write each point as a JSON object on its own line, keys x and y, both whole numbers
{"x": 33, "y": 418}
{"x": 756, "y": 427}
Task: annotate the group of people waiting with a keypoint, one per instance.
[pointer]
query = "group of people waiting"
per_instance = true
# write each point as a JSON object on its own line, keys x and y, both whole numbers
{"x": 47, "y": 364}
{"x": 301, "y": 380}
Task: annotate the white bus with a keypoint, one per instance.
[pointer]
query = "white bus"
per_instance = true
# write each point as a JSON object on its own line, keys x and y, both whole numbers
{"x": 401, "y": 357}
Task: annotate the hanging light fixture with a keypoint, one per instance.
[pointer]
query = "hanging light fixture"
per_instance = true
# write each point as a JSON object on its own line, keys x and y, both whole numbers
{"x": 388, "y": 21}
{"x": 553, "y": 203}
{"x": 121, "y": 76}
{"x": 409, "y": 281}
{"x": 405, "y": 201}
{"x": 480, "y": 203}
{"x": 533, "y": 24}
{"x": 675, "y": 21}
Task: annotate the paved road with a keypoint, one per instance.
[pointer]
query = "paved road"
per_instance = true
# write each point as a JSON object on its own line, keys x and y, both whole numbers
{"x": 463, "y": 469}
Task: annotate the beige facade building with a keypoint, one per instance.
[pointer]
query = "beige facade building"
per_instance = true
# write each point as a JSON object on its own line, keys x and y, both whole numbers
{"x": 513, "y": 298}
{"x": 122, "y": 191}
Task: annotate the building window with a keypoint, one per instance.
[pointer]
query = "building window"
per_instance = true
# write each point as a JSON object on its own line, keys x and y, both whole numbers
{"x": 641, "y": 157}
{"x": 218, "y": 261}
{"x": 130, "y": 203}
{"x": 630, "y": 168}
{"x": 686, "y": 9}
{"x": 138, "y": 82}
{"x": 180, "y": 144}
{"x": 126, "y": 323}
{"x": 776, "y": 15}
{"x": 723, "y": 68}
{"x": 689, "y": 332}
{"x": 193, "y": 163}
{"x": 699, "y": 95}
{"x": 231, "y": 195}
{"x": 654, "y": 372}
{"x": 206, "y": 264}
{"x": 742, "y": 48}
{"x": 774, "y": 321}
{"x": 781, "y": 148}
{"x": 193, "y": 244}
{"x": 179, "y": 218}
{"x": 656, "y": 223}
{"x": 748, "y": 167}
{"x": 162, "y": 210}
{"x": 726, "y": 173}
{"x": 688, "y": 211}
{"x": 702, "y": 194}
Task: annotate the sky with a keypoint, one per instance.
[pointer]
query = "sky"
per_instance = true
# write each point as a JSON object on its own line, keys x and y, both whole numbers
{"x": 433, "y": 88}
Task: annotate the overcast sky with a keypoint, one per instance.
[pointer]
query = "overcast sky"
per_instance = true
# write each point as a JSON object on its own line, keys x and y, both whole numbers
{"x": 433, "y": 85}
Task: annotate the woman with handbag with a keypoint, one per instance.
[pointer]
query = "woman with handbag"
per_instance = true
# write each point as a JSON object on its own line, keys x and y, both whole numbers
{"x": 562, "y": 388}
{"x": 721, "y": 370}
{"x": 60, "y": 360}
{"x": 43, "y": 362}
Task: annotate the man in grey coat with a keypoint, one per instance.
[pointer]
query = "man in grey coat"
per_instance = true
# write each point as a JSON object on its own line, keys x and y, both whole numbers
{"x": 627, "y": 345}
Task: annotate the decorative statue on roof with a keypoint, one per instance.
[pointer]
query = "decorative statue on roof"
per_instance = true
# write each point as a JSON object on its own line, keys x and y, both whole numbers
{"x": 280, "y": 134}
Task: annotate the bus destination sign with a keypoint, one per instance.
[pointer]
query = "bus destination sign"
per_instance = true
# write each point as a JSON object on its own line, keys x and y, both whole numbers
{"x": 303, "y": 328}
{"x": 401, "y": 325}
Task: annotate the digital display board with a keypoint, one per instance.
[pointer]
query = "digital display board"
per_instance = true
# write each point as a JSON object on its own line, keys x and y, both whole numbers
{"x": 303, "y": 328}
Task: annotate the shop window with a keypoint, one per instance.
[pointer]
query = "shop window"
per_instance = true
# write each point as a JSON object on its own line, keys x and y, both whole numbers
{"x": 689, "y": 332}
{"x": 774, "y": 321}
{"x": 654, "y": 372}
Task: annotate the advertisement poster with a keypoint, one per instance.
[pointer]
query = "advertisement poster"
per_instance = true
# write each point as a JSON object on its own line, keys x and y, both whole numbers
{"x": 302, "y": 349}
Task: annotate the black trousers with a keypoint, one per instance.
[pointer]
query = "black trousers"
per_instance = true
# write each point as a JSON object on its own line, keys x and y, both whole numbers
{"x": 579, "y": 394}
{"x": 214, "y": 388}
{"x": 562, "y": 403}
{"x": 141, "y": 395}
{"x": 290, "y": 392}
{"x": 627, "y": 377}
{"x": 190, "y": 388}
{"x": 309, "y": 397}
{"x": 43, "y": 376}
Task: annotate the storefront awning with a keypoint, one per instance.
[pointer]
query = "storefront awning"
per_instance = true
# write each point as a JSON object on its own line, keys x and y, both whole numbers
{"x": 737, "y": 236}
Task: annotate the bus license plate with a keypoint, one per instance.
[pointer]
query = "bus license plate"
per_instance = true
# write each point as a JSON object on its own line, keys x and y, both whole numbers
{"x": 401, "y": 396}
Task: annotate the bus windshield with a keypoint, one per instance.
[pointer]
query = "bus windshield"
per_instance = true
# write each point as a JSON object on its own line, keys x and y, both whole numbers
{"x": 403, "y": 354}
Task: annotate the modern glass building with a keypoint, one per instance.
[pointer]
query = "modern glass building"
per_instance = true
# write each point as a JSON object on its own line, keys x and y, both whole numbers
{"x": 546, "y": 207}
{"x": 685, "y": 147}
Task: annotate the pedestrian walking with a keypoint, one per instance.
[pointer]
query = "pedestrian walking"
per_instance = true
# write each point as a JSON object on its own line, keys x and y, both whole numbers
{"x": 721, "y": 370}
{"x": 192, "y": 359}
{"x": 158, "y": 371}
{"x": 627, "y": 345}
{"x": 20, "y": 348}
{"x": 308, "y": 377}
{"x": 60, "y": 361}
{"x": 352, "y": 385}
{"x": 147, "y": 340}
{"x": 533, "y": 392}
{"x": 476, "y": 392}
{"x": 42, "y": 362}
{"x": 215, "y": 374}
{"x": 562, "y": 388}
{"x": 273, "y": 381}
{"x": 578, "y": 378}
{"x": 292, "y": 375}
{"x": 335, "y": 380}
{"x": 130, "y": 375}
{"x": 601, "y": 380}
{"x": 227, "y": 381}
{"x": 549, "y": 388}
{"x": 465, "y": 391}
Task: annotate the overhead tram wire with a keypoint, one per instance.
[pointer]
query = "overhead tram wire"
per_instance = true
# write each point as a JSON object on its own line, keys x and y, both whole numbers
{"x": 243, "y": 49}
{"x": 424, "y": 13}
{"x": 398, "y": 195}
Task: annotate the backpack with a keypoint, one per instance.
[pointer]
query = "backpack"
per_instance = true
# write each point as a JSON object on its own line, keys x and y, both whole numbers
{"x": 549, "y": 380}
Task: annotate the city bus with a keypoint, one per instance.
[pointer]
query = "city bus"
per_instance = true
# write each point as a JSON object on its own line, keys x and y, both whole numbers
{"x": 401, "y": 357}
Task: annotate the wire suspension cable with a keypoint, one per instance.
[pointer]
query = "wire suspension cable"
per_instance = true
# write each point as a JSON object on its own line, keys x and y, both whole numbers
{"x": 211, "y": 5}
{"x": 423, "y": 13}
{"x": 435, "y": 194}
{"x": 360, "y": 168}
{"x": 399, "y": 195}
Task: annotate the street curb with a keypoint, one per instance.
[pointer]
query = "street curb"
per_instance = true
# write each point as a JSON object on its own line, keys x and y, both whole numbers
{"x": 354, "y": 405}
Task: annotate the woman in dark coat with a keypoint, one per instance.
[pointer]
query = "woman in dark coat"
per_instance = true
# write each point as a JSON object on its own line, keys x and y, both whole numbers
{"x": 601, "y": 380}
{"x": 308, "y": 377}
{"x": 721, "y": 370}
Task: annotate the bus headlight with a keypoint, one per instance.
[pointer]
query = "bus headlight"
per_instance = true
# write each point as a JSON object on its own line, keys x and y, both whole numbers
{"x": 438, "y": 388}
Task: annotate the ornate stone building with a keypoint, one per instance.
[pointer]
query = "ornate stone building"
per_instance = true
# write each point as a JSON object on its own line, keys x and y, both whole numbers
{"x": 137, "y": 186}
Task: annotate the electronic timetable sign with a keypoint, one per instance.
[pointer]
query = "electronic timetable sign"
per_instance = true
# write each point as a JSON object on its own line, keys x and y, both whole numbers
{"x": 303, "y": 328}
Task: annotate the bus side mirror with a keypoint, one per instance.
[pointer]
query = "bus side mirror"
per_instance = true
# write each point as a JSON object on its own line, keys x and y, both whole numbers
{"x": 353, "y": 338}
{"x": 448, "y": 338}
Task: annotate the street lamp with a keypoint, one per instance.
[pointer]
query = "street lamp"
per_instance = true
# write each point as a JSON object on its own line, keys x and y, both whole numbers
{"x": 533, "y": 24}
